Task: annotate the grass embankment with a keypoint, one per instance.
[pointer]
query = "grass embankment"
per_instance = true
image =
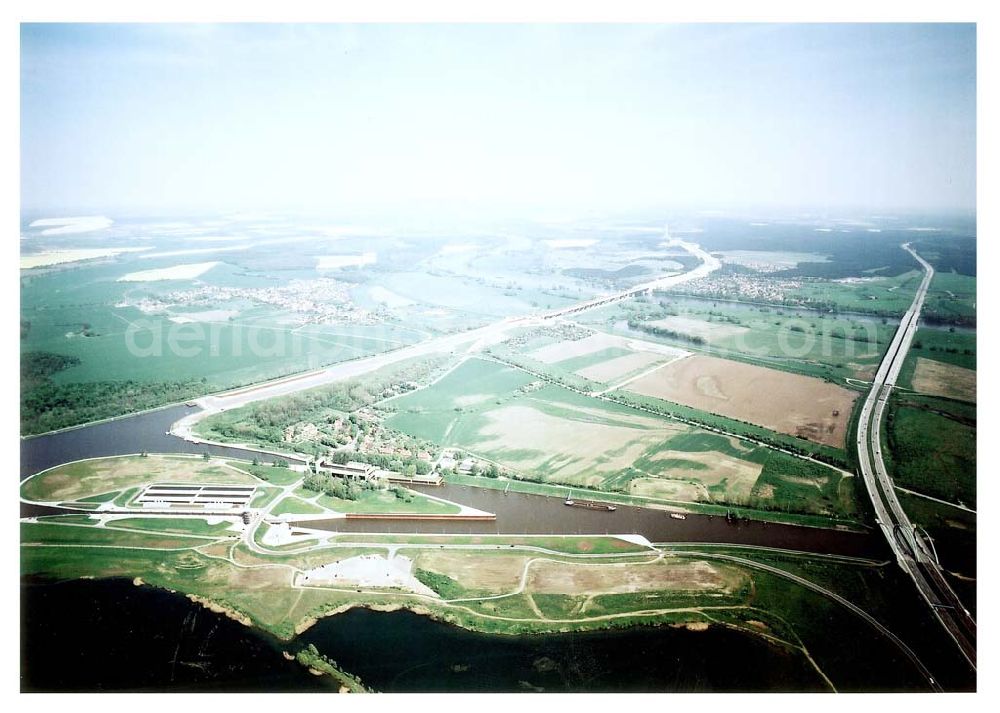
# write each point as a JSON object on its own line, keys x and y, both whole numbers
{"x": 295, "y": 506}
{"x": 48, "y": 534}
{"x": 175, "y": 525}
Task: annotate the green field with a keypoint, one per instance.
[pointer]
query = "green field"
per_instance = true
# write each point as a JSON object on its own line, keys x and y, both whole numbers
{"x": 875, "y": 295}
{"x": 951, "y": 298}
{"x": 175, "y": 525}
{"x": 375, "y": 501}
{"x": 555, "y": 435}
{"x": 941, "y": 344}
{"x": 85, "y": 480}
{"x": 933, "y": 454}
{"x": 272, "y": 474}
{"x": 295, "y": 506}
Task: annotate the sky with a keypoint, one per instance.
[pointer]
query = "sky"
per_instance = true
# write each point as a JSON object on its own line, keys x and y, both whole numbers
{"x": 514, "y": 120}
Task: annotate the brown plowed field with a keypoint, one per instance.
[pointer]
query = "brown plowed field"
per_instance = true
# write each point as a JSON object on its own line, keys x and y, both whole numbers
{"x": 788, "y": 403}
{"x": 939, "y": 379}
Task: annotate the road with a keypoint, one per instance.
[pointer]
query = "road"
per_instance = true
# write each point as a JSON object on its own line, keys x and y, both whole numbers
{"x": 472, "y": 340}
{"x": 913, "y": 554}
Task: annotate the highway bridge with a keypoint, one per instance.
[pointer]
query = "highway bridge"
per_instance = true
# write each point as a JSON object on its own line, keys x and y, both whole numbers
{"x": 913, "y": 553}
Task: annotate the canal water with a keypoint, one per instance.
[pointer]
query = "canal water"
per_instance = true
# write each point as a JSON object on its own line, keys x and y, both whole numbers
{"x": 517, "y": 513}
{"x": 521, "y": 513}
{"x": 133, "y": 434}
{"x": 109, "y": 635}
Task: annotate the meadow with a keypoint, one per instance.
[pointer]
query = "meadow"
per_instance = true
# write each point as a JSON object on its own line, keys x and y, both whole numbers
{"x": 932, "y": 454}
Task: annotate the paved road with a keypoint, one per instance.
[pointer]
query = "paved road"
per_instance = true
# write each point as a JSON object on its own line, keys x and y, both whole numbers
{"x": 912, "y": 553}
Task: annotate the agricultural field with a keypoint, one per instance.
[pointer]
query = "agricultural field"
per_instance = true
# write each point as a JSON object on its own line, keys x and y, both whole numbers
{"x": 551, "y": 434}
{"x": 788, "y": 403}
{"x": 829, "y": 346}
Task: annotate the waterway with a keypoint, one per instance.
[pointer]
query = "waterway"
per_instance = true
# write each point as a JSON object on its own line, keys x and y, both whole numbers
{"x": 517, "y": 513}
{"x": 522, "y": 513}
{"x": 109, "y": 635}
{"x": 131, "y": 434}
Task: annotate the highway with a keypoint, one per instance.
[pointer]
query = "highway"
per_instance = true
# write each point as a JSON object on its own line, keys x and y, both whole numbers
{"x": 913, "y": 553}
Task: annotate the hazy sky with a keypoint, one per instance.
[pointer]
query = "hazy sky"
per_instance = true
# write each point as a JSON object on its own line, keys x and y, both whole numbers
{"x": 506, "y": 118}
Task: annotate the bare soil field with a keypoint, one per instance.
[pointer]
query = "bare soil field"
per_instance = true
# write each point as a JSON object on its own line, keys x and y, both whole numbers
{"x": 88, "y": 478}
{"x": 939, "y": 379}
{"x": 788, "y": 403}
{"x": 620, "y": 367}
{"x": 548, "y": 577}
{"x": 709, "y": 331}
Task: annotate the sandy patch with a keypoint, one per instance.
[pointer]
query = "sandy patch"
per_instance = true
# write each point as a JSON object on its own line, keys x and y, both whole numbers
{"x": 666, "y": 489}
{"x": 620, "y": 367}
{"x": 940, "y": 379}
{"x": 77, "y": 224}
{"x": 709, "y": 331}
{"x": 784, "y": 402}
{"x": 211, "y": 315}
{"x": 366, "y": 571}
{"x": 335, "y": 262}
{"x": 549, "y": 577}
{"x": 189, "y": 271}
{"x": 58, "y": 257}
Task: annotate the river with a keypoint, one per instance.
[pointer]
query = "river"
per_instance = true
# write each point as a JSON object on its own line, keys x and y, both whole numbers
{"x": 109, "y": 635}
